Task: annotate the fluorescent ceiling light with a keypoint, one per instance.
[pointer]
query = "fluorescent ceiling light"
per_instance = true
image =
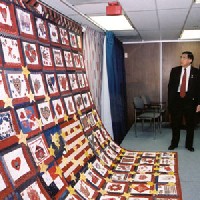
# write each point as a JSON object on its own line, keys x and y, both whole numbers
{"x": 196, "y": 1}
{"x": 118, "y": 22}
{"x": 190, "y": 34}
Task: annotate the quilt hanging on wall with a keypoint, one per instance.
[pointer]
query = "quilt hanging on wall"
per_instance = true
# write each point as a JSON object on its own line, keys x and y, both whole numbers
{"x": 53, "y": 144}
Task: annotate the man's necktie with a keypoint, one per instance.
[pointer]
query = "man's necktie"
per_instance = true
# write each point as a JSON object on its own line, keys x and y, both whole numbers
{"x": 183, "y": 85}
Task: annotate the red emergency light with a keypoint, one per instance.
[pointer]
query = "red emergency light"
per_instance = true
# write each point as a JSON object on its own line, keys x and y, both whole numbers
{"x": 113, "y": 8}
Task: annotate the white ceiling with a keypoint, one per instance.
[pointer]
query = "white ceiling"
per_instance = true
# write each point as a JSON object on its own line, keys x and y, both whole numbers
{"x": 153, "y": 20}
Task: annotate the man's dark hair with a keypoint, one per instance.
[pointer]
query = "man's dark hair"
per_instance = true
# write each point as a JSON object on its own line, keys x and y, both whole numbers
{"x": 189, "y": 54}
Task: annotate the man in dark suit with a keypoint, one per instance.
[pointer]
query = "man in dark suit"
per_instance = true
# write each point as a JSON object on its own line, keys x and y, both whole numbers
{"x": 184, "y": 99}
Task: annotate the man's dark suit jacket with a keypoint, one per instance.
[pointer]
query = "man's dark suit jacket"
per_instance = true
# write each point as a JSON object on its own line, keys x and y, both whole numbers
{"x": 193, "y": 92}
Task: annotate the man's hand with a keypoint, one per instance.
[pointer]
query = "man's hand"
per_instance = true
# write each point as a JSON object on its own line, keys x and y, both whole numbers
{"x": 198, "y": 108}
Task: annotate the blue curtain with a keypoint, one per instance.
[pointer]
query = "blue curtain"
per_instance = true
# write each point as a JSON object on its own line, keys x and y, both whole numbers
{"x": 117, "y": 85}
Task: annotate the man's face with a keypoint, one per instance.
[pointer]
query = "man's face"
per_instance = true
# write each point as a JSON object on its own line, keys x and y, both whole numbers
{"x": 184, "y": 60}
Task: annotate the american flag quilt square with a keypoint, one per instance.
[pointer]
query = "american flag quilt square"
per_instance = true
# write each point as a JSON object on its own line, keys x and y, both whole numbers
{"x": 52, "y": 84}
{"x": 78, "y": 102}
{"x": 12, "y": 54}
{"x": 18, "y": 164}
{"x": 39, "y": 150}
{"x": 5, "y": 185}
{"x": 34, "y": 190}
{"x": 25, "y": 23}
{"x": 64, "y": 37}
{"x": 86, "y": 100}
{"x": 73, "y": 41}
{"x": 54, "y": 35}
{"x": 46, "y": 115}
{"x": 63, "y": 83}
{"x": 28, "y": 119}
{"x": 77, "y": 60}
{"x": 113, "y": 187}
{"x": 85, "y": 190}
{"x": 59, "y": 110}
{"x": 167, "y": 189}
{"x": 58, "y": 59}
{"x": 55, "y": 141}
{"x": 7, "y": 18}
{"x": 68, "y": 60}
{"x": 53, "y": 181}
{"x": 18, "y": 86}
{"x": 46, "y": 57}
{"x": 81, "y": 81}
{"x": 8, "y": 128}
{"x": 42, "y": 30}
{"x": 37, "y": 83}
{"x": 70, "y": 107}
{"x": 73, "y": 81}
{"x": 31, "y": 55}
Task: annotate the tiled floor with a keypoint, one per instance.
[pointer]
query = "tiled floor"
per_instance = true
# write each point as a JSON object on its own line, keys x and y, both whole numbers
{"x": 189, "y": 162}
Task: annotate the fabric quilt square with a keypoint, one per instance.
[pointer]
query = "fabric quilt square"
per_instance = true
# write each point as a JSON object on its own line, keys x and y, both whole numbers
{"x": 46, "y": 114}
{"x": 53, "y": 181}
{"x": 73, "y": 41}
{"x": 110, "y": 152}
{"x": 90, "y": 96}
{"x": 3, "y": 89}
{"x": 85, "y": 190}
{"x": 68, "y": 60}
{"x": 18, "y": 164}
{"x": 142, "y": 198}
{"x": 42, "y": 30}
{"x": 81, "y": 81}
{"x": 131, "y": 154}
{"x": 144, "y": 169}
{"x": 91, "y": 119}
{"x": 111, "y": 197}
{"x": 37, "y": 83}
{"x": 31, "y": 55}
{"x": 52, "y": 86}
{"x": 64, "y": 36}
{"x": 5, "y": 185}
{"x": 86, "y": 100}
{"x": 101, "y": 169}
{"x": 107, "y": 161}
{"x": 167, "y": 155}
{"x": 84, "y": 122}
{"x": 7, "y": 18}
{"x": 70, "y": 107}
{"x": 58, "y": 109}
{"x": 58, "y": 58}
{"x": 119, "y": 177}
{"x": 39, "y": 150}
{"x": 25, "y": 23}
{"x": 86, "y": 81}
{"x": 18, "y": 85}
{"x": 53, "y": 31}
{"x": 140, "y": 189}
{"x": 63, "y": 83}
{"x": 82, "y": 61}
{"x": 99, "y": 136}
{"x": 149, "y": 154}
{"x": 79, "y": 102}
{"x": 115, "y": 147}
{"x": 46, "y": 57}
{"x": 142, "y": 177}
{"x": 79, "y": 42}
{"x": 94, "y": 178}
{"x": 28, "y": 120}
{"x": 77, "y": 60}
{"x": 149, "y": 161}
{"x": 11, "y": 52}
{"x": 73, "y": 197}
{"x": 123, "y": 167}
{"x": 166, "y": 168}
{"x": 73, "y": 82}
{"x": 35, "y": 191}
{"x": 113, "y": 187}
{"x": 167, "y": 161}
{"x": 165, "y": 178}
{"x": 127, "y": 160}
{"x": 55, "y": 141}
{"x": 8, "y": 128}
{"x": 167, "y": 190}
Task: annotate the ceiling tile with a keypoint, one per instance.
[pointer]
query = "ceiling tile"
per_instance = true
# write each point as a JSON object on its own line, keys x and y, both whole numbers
{"x": 150, "y": 35}
{"x": 193, "y": 21}
{"x": 170, "y": 35}
{"x": 172, "y": 4}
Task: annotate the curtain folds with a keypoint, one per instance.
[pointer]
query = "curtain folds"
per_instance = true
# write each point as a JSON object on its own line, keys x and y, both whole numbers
{"x": 93, "y": 54}
{"x": 117, "y": 85}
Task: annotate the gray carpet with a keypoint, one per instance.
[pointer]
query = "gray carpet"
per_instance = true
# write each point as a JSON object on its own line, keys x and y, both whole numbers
{"x": 189, "y": 162}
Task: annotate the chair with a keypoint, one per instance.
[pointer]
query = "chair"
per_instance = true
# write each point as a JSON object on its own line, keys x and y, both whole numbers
{"x": 141, "y": 113}
{"x": 149, "y": 104}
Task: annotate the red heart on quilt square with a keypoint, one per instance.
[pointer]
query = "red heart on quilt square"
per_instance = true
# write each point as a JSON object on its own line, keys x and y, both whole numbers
{"x": 16, "y": 163}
